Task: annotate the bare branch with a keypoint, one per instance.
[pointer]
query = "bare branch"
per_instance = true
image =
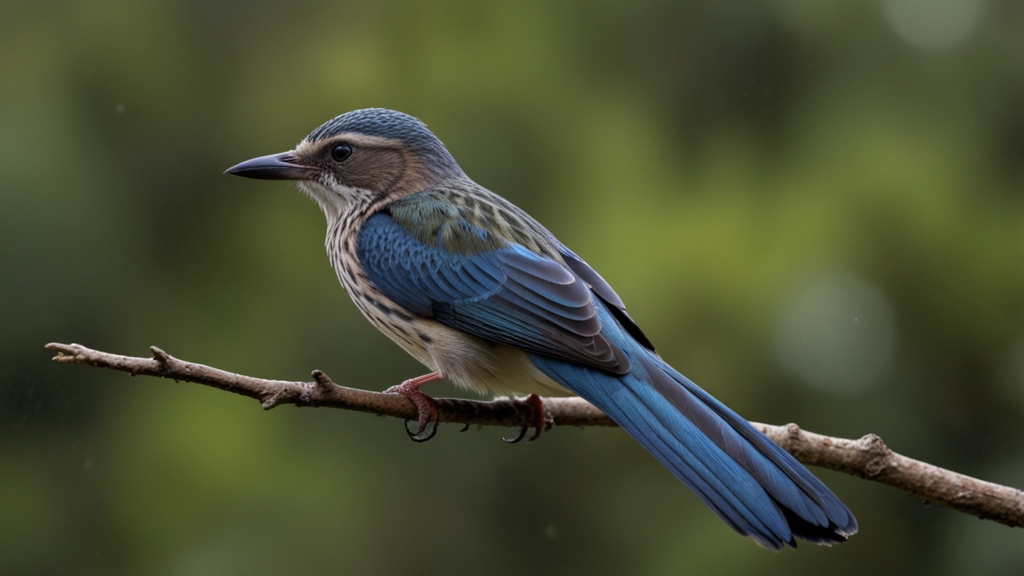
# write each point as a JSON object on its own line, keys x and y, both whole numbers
{"x": 867, "y": 457}
{"x": 325, "y": 393}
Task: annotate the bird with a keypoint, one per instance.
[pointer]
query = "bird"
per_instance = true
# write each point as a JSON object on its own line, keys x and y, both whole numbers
{"x": 489, "y": 300}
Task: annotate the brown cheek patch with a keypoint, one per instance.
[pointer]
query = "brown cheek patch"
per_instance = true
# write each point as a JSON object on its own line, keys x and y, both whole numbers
{"x": 416, "y": 177}
{"x": 379, "y": 164}
{"x": 378, "y": 170}
{"x": 394, "y": 171}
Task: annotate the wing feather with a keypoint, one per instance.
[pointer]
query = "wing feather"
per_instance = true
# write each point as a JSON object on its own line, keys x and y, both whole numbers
{"x": 507, "y": 295}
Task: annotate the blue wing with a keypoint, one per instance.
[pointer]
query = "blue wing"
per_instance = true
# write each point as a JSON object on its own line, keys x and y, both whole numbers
{"x": 508, "y": 295}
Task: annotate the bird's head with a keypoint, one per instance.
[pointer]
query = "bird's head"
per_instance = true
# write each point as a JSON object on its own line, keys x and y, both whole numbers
{"x": 359, "y": 158}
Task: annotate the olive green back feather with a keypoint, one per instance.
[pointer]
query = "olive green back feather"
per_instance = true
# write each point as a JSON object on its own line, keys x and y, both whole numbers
{"x": 468, "y": 220}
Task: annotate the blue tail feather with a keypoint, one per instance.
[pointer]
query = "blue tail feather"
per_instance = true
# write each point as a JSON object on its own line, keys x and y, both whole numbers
{"x": 748, "y": 480}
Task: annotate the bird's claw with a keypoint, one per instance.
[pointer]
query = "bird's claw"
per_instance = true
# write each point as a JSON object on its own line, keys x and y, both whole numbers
{"x": 425, "y": 406}
{"x": 426, "y": 431}
{"x": 539, "y": 420}
{"x": 519, "y": 437}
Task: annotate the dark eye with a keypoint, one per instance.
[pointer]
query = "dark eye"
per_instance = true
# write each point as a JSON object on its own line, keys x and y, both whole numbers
{"x": 341, "y": 152}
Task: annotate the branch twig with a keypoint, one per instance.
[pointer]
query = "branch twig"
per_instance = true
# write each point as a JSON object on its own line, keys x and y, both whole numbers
{"x": 867, "y": 457}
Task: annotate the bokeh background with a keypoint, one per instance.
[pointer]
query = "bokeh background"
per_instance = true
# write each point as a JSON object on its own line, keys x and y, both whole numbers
{"x": 816, "y": 211}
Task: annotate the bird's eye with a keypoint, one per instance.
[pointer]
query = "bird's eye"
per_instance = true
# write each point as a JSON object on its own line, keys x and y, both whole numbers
{"x": 341, "y": 152}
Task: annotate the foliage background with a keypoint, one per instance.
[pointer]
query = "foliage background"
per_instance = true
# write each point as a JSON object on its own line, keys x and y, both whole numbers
{"x": 816, "y": 210}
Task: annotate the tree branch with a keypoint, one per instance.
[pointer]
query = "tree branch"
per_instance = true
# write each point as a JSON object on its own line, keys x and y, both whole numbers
{"x": 867, "y": 457}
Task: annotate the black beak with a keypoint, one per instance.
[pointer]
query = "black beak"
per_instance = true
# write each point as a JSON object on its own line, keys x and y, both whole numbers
{"x": 283, "y": 166}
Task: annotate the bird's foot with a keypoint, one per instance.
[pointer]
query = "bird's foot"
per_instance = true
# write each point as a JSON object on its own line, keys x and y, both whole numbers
{"x": 540, "y": 420}
{"x": 426, "y": 406}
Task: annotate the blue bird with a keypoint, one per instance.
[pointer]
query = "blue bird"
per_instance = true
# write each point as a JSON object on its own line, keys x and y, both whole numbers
{"x": 489, "y": 300}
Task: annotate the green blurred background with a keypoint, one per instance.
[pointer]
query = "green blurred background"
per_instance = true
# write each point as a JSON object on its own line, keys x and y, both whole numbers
{"x": 816, "y": 211}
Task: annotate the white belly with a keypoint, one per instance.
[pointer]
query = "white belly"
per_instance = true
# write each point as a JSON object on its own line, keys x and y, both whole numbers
{"x": 483, "y": 367}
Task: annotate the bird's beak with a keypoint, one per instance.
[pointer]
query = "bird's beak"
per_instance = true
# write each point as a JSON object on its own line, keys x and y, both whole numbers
{"x": 283, "y": 166}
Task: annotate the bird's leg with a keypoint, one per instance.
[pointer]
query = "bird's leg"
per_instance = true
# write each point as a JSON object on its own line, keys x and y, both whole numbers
{"x": 539, "y": 420}
{"x": 425, "y": 404}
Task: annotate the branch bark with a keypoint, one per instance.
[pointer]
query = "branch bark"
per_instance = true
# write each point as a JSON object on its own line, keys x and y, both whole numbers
{"x": 867, "y": 457}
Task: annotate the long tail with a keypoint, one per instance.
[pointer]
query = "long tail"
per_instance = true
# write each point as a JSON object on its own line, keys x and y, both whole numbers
{"x": 749, "y": 481}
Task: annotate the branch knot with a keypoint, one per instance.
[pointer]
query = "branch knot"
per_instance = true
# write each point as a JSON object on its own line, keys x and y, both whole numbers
{"x": 323, "y": 382}
{"x": 879, "y": 461}
{"x": 271, "y": 400}
{"x": 159, "y": 355}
